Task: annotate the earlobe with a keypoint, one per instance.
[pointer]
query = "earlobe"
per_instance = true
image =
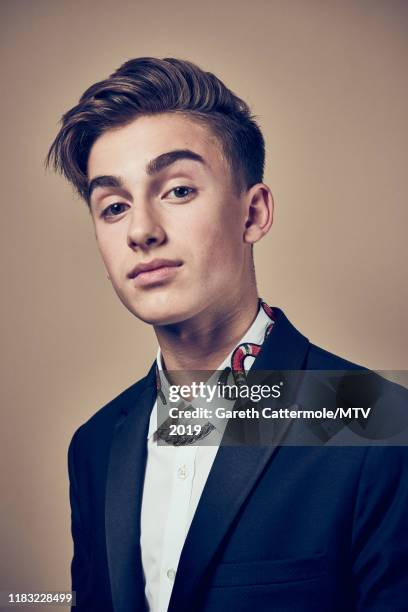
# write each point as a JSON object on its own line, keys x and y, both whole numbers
{"x": 260, "y": 213}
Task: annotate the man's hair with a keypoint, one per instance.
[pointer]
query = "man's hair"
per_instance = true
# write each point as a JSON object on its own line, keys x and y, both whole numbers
{"x": 149, "y": 86}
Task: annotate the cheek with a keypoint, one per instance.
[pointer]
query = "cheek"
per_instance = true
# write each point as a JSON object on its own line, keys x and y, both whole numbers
{"x": 216, "y": 247}
{"x": 219, "y": 221}
{"x": 104, "y": 248}
{"x": 111, "y": 243}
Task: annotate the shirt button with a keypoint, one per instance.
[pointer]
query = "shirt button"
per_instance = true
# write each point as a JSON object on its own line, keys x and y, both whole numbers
{"x": 182, "y": 472}
{"x": 171, "y": 574}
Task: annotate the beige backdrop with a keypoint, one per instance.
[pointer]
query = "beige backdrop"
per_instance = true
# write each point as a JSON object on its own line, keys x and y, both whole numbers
{"x": 328, "y": 81}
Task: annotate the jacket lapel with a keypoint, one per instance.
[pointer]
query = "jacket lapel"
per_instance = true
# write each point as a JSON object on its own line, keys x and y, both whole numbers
{"x": 124, "y": 488}
{"x": 235, "y": 472}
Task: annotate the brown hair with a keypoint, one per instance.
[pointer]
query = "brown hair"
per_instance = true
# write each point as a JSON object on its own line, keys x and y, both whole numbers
{"x": 147, "y": 86}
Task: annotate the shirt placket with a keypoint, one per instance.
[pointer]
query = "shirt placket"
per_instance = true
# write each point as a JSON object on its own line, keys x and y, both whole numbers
{"x": 177, "y": 520}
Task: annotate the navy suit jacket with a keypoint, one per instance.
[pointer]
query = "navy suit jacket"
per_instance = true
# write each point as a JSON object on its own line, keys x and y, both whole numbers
{"x": 289, "y": 529}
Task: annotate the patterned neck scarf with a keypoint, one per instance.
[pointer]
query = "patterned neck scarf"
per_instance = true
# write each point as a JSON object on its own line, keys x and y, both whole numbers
{"x": 237, "y": 368}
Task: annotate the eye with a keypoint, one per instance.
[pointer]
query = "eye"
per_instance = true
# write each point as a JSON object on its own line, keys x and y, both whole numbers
{"x": 181, "y": 192}
{"x": 113, "y": 210}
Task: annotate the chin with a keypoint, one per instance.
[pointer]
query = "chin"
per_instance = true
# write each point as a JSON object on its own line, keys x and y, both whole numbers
{"x": 159, "y": 317}
{"x": 155, "y": 309}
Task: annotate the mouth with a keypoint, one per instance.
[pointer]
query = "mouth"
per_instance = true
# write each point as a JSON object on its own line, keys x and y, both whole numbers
{"x": 154, "y": 272}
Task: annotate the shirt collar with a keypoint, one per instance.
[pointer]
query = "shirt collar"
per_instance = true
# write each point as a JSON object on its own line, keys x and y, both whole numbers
{"x": 254, "y": 335}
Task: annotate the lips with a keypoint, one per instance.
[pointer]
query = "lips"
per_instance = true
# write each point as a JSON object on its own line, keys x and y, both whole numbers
{"x": 155, "y": 264}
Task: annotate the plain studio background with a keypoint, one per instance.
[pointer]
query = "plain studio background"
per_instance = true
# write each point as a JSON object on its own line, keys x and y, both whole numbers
{"x": 328, "y": 81}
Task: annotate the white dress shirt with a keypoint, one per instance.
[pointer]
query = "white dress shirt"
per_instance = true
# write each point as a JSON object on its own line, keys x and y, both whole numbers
{"x": 174, "y": 481}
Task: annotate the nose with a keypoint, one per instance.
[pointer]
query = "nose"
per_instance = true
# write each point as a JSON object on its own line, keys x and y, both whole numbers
{"x": 145, "y": 230}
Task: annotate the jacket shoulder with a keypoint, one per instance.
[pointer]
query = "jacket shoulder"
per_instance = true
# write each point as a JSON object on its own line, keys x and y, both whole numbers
{"x": 320, "y": 359}
{"x": 102, "y": 424}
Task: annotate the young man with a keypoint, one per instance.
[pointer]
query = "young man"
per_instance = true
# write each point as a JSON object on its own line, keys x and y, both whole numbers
{"x": 170, "y": 163}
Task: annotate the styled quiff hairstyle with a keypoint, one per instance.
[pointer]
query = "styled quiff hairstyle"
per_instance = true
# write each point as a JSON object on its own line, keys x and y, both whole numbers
{"x": 149, "y": 86}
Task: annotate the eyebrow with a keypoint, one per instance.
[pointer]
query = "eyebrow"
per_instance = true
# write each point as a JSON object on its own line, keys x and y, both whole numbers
{"x": 154, "y": 166}
{"x": 166, "y": 159}
{"x": 104, "y": 181}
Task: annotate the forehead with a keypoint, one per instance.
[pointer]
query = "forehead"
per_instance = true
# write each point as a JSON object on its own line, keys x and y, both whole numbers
{"x": 131, "y": 147}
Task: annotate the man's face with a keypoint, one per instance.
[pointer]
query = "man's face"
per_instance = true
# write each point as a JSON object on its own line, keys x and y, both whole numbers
{"x": 168, "y": 220}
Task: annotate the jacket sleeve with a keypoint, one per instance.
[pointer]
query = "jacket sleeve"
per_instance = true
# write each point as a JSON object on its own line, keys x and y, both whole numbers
{"x": 80, "y": 566}
{"x": 380, "y": 532}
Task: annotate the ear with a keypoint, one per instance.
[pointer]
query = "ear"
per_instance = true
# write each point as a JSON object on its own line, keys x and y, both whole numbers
{"x": 259, "y": 213}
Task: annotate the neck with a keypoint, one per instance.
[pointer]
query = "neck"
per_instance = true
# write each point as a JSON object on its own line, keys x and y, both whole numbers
{"x": 204, "y": 341}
